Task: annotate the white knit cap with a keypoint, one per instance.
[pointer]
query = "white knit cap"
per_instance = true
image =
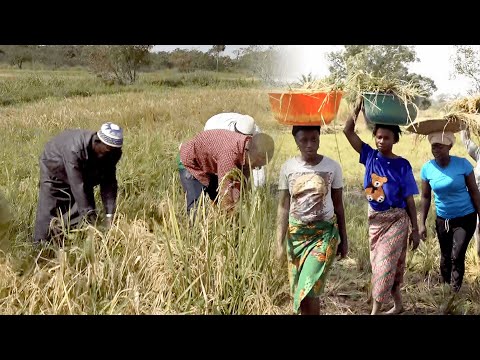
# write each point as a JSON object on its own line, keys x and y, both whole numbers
{"x": 111, "y": 134}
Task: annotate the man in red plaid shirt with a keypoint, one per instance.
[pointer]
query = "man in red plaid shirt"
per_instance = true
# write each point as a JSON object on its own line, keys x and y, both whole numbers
{"x": 212, "y": 154}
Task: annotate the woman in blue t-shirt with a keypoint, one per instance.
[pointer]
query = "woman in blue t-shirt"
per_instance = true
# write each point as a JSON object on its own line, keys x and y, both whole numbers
{"x": 389, "y": 188}
{"x": 457, "y": 202}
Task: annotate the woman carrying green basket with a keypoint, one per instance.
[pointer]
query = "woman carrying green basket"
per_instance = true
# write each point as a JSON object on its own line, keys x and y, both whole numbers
{"x": 389, "y": 188}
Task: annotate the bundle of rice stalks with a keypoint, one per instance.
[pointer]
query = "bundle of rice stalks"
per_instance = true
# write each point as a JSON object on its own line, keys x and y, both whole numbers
{"x": 452, "y": 122}
{"x": 467, "y": 120}
{"x": 469, "y": 105}
{"x": 361, "y": 82}
{"x": 386, "y": 99}
{"x": 309, "y": 83}
{"x": 465, "y": 111}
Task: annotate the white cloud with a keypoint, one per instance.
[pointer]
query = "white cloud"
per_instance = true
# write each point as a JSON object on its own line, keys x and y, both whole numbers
{"x": 436, "y": 64}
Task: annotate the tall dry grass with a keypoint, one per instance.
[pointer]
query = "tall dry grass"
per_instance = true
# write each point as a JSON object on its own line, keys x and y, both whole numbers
{"x": 152, "y": 261}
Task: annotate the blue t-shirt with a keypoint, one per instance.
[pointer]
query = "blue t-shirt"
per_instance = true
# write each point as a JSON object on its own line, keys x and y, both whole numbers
{"x": 449, "y": 188}
{"x": 387, "y": 182}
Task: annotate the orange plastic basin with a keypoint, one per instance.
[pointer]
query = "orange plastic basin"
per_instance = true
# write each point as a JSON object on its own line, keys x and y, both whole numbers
{"x": 305, "y": 108}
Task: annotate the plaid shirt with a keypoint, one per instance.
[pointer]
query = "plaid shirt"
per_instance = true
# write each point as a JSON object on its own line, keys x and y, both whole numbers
{"x": 215, "y": 152}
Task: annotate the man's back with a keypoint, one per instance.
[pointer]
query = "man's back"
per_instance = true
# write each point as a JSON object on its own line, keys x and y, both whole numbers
{"x": 213, "y": 152}
{"x": 73, "y": 149}
{"x": 68, "y": 141}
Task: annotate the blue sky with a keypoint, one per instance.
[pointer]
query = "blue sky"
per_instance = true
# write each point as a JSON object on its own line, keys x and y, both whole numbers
{"x": 303, "y": 59}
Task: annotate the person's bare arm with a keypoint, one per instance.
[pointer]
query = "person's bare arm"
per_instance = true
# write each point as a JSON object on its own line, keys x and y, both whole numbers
{"x": 349, "y": 129}
{"x": 230, "y": 177}
{"x": 282, "y": 222}
{"x": 414, "y": 239}
{"x": 425, "y": 200}
{"x": 473, "y": 191}
{"x": 337, "y": 198}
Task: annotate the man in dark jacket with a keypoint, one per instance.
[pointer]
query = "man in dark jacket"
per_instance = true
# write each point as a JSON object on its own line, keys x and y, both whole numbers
{"x": 71, "y": 165}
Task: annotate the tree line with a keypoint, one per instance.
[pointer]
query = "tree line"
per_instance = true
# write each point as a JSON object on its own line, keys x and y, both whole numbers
{"x": 121, "y": 63}
{"x": 138, "y": 57}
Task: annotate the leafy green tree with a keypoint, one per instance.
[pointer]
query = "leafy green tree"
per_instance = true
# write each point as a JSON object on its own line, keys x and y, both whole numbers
{"x": 388, "y": 61}
{"x": 466, "y": 62}
{"x": 119, "y": 63}
{"x": 17, "y": 55}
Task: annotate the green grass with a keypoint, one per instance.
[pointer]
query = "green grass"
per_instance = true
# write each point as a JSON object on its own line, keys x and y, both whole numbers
{"x": 151, "y": 262}
{"x": 21, "y": 86}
